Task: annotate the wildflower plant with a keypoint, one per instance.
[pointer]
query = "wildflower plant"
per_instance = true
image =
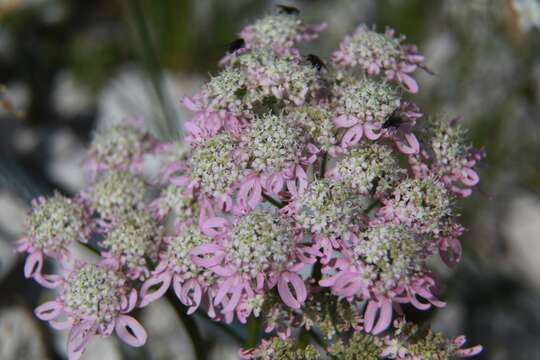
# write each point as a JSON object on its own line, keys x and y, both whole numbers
{"x": 306, "y": 195}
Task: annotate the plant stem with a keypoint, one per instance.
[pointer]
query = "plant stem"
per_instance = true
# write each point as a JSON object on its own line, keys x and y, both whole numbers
{"x": 253, "y": 328}
{"x": 322, "y": 170}
{"x": 273, "y": 201}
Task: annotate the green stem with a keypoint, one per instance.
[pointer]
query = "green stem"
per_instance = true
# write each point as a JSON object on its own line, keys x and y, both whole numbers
{"x": 322, "y": 170}
{"x": 273, "y": 201}
{"x": 253, "y": 329}
{"x": 371, "y": 206}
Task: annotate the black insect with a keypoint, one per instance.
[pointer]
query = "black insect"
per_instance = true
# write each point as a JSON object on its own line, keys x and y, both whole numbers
{"x": 393, "y": 120}
{"x": 316, "y": 62}
{"x": 236, "y": 45}
{"x": 289, "y": 10}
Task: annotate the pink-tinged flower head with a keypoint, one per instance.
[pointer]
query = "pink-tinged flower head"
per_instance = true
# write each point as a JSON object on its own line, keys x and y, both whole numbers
{"x": 279, "y": 32}
{"x": 115, "y": 193}
{"x": 177, "y": 201}
{"x": 409, "y": 341}
{"x": 329, "y": 208}
{"x": 288, "y": 79}
{"x": 363, "y": 106}
{"x": 132, "y": 240}
{"x": 420, "y": 203}
{"x": 190, "y": 281}
{"x": 317, "y": 121}
{"x": 259, "y": 252}
{"x": 449, "y": 156}
{"x": 372, "y": 168}
{"x": 53, "y": 225}
{"x": 375, "y": 53}
{"x": 214, "y": 168}
{"x": 94, "y": 300}
{"x": 119, "y": 147}
{"x": 389, "y": 256}
{"x": 272, "y": 143}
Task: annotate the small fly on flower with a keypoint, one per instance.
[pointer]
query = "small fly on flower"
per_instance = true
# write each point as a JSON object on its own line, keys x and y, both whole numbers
{"x": 286, "y": 9}
{"x": 393, "y": 120}
{"x": 236, "y": 45}
{"x": 316, "y": 62}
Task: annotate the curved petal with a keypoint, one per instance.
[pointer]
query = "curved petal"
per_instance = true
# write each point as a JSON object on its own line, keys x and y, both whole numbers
{"x": 250, "y": 193}
{"x": 352, "y": 136}
{"x": 48, "y": 281}
{"x": 130, "y": 331}
{"x": 385, "y": 317}
{"x": 475, "y": 350}
{"x": 345, "y": 121}
{"x": 207, "y": 255}
{"x": 48, "y": 311}
{"x": 369, "y": 315}
{"x": 79, "y": 337}
{"x": 470, "y": 177}
{"x": 177, "y": 286}
{"x": 149, "y": 292}
{"x": 285, "y": 292}
{"x": 214, "y": 226}
{"x": 408, "y": 82}
{"x": 33, "y": 264}
{"x": 192, "y": 288}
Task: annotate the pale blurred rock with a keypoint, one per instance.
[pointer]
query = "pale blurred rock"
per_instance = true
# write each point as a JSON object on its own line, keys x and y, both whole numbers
{"x": 131, "y": 94}
{"x": 67, "y": 154}
{"x": 19, "y": 335}
{"x": 13, "y": 212}
{"x": 522, "y": 231}
{"x": 167, "y": 338}
{"x": 224, "y": 351}
{"x": 98, "y": 349}
{"x": 70, "y": 97}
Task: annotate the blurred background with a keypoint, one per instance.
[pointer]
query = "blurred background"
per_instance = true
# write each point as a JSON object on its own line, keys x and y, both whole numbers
{"x": 67, "y": 67}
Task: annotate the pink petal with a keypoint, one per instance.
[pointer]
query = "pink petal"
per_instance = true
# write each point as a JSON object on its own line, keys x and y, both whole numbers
{"x": 177, "y": 286}
{"x": 149, "y": 292}
{"x": 199, "y": 255}
{"x": 385, "y": 317}
{"x": 251, "y": 193}
{"x": 345, "y": 121}
{"x": 194, "y": 301}
{"x": 48, "y": 281}
{"x": 48, "y": 311}
{"x": 352, "y": 136}
{"x": 79, "y": 337}
{"x": 215, "y": 226}
{"x": 475, "y": 350}
{"x": 130, "y": 331}
{"x": 233, "y": 301}
{"x": 409, "y": 83}
{"x": 369, "y": 315}
{"x": 369, "y": 130}
{"x": 470, "y": 177}
{"x": 33, "y": 264}
{"x": 285, "y": 292}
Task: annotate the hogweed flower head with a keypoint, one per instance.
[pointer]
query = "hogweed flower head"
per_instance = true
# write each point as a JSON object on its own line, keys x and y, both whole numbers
{"x": 279, "y": 32}
{"x": 121, "y": 147}
{"x": 133, "y": 240}
{"x": 54, "y": 224}
{"x": 381, "y": 52}
{"x": 93, "y": 300}
{"x": 115, "y": 193}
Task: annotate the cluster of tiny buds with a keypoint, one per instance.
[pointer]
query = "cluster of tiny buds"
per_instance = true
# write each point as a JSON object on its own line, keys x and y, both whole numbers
{"x": 303, "y": 194}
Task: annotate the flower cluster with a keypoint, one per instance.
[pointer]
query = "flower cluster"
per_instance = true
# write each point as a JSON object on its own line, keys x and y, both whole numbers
{"x": 304, "y": 195}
